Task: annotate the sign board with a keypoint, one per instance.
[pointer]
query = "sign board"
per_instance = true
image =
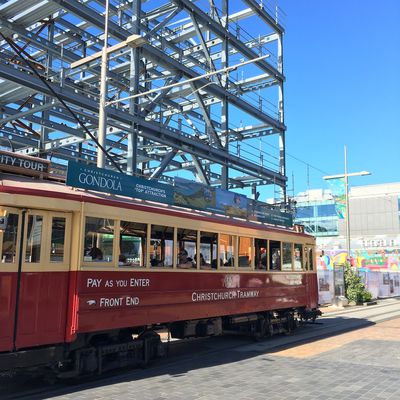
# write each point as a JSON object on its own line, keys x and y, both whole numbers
{"x": 25, "y": 165}
{"x": 103, "y": 180}
{"x": 185, "y": 193}
{"x": 262, "y": 212}
{"x": 202, "y": 197}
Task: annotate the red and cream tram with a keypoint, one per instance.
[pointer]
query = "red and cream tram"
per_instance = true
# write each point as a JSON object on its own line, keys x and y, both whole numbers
{"x": 87, "y": 279}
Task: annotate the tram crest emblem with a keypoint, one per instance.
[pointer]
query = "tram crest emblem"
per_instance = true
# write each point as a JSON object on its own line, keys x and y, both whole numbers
{"x": 231, "y": 281}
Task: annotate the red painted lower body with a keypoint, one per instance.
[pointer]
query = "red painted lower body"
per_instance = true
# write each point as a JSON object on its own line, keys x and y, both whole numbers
{"x": 113, "y": 300}
{"x": 42, "y": 309}
{"x": 55, "y": 306}
{"x": 8, "y": 284}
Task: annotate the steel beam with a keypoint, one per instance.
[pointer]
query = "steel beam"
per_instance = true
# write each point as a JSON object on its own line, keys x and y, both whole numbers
{"x": 156, "y": 132}
{"x": 162, "y": 59}
{"x": 219, "y": 30}
{"x": 260, "y": 11}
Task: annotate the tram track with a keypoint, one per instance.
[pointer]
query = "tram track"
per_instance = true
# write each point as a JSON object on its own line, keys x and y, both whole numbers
{"x": 382, "y": 303}
{"x": 185, "y": 351}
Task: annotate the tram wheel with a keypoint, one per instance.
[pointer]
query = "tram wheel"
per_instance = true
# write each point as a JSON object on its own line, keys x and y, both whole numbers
{"x": 262, "y": 327}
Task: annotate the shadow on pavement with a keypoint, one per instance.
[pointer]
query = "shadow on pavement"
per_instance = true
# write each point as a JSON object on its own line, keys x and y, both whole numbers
{"x": 189, "y": 355}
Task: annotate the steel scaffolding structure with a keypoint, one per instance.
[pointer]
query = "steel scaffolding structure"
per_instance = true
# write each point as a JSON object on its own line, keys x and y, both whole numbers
{"x": 208, "y": 129}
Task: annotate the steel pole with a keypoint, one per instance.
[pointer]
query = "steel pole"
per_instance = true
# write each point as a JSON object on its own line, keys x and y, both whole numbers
{"x": 101, "y": 136}
{"x": 346, "y": 185}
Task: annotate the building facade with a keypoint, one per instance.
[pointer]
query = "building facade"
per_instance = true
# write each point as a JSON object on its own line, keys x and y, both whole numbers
{"x": 374, "y": 226}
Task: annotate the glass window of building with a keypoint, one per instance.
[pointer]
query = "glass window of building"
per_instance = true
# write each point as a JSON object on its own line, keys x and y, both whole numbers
{"x": 34, "y": 238}
{"x": 261, "y": 253}
{"x": 245, "y": 252}
{"x": 326, "y": 210}
{"x": 208, "y": 250}
{"x": 132, "y": 244}
{"x": 287, "y": 256}
{"x": 326, "y": 225}
{"x": 99, "y": 239}
{"x": 187, "y": 248}
{"x": 318, "y": 219}
{"x": 275, "y": 255}
{"x": 227, "y": 250}
{"x": 57, "y": 239}
{"x": 304, "y": 212}
{"x": 298, "y": 257}
{"x": 162, "y": 246}
{"x": 9, "y": 248}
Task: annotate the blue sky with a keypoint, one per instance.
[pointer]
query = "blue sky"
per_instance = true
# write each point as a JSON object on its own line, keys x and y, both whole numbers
{"x": 342, "y": 66}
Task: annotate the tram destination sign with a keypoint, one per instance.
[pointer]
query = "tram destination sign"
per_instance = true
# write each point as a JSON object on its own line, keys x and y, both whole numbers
{"x": 103, "y": 180}
{"x": 25, "y": 165}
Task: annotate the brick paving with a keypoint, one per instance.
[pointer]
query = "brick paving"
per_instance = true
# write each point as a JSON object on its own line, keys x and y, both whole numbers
{"x": 362, "y": 364}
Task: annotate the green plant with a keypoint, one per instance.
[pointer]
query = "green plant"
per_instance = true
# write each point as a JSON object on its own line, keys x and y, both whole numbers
{"x": 354, "y": 288}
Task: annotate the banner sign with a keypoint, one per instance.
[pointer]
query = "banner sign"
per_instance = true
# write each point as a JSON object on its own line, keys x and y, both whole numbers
{"x": 194, "y": 195}
{"x": 21, "y": 164}
{"x": 103, "y": 180}
{"x": 339, "y": 196}
{"x": 262, "y": 212}
{"x": 231, "y": 203}
{"x": 185, "y": 193}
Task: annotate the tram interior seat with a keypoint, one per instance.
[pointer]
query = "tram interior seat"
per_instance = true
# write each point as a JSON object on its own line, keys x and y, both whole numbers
{"x": 243, "y": 261}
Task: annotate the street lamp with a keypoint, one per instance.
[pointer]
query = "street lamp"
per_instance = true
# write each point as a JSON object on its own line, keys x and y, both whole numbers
{"x": 346, "y": 176}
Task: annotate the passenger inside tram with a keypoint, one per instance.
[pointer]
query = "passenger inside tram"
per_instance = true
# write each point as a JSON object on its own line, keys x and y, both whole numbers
{"x": 275, "y": 262}
{"x": 184, "y": 261}
{"x": 230, "y": 262}
{"x": 154, "y": 262}
{"x": 95, "y": 253}
{"x": 262, "y": 260}
{"x": 123, "y": 261}
{"x": 203, "y": 263}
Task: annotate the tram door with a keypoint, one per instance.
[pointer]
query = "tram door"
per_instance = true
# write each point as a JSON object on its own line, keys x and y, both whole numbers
{"x": 43, "y": 277}
{"x": 10, "y": 226}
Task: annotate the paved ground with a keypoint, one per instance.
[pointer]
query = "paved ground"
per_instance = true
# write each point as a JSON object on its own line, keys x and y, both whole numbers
{"x": 362, "y": 364}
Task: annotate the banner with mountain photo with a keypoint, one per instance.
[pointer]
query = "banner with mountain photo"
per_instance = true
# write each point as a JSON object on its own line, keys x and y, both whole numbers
{"x": 338, "y": 191}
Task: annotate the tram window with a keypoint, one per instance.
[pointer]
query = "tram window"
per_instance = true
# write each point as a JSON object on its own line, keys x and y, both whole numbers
{"x": 311, "y": 259}
{"x": 227, "y": 250}
{"x": 261, "y": 250}
{"x": 306, "y": 258}
{"x": 298, "y": 257}
{"x": 99, "y": 239}
{"x": 132, "y": 244}
{"x": 287, "y": 256}
{"x": 162, "y": 246}
{"x": 275, "y": 255}
{"x": 208, "y": 250}
{"x": 9, "y": 251}
{"x": 245, "y": 252}
{"x": 187, "y": 244}
{"x": 57, "y": 239}
{"x": 33, "y": 238}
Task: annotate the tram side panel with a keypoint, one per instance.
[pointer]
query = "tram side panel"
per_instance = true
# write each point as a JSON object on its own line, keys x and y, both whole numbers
{"x": 312, "y": 290}
{"x": 109, "y": 300}
{"x": 8, "y": 287}
{"x": 42, "y": 308}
